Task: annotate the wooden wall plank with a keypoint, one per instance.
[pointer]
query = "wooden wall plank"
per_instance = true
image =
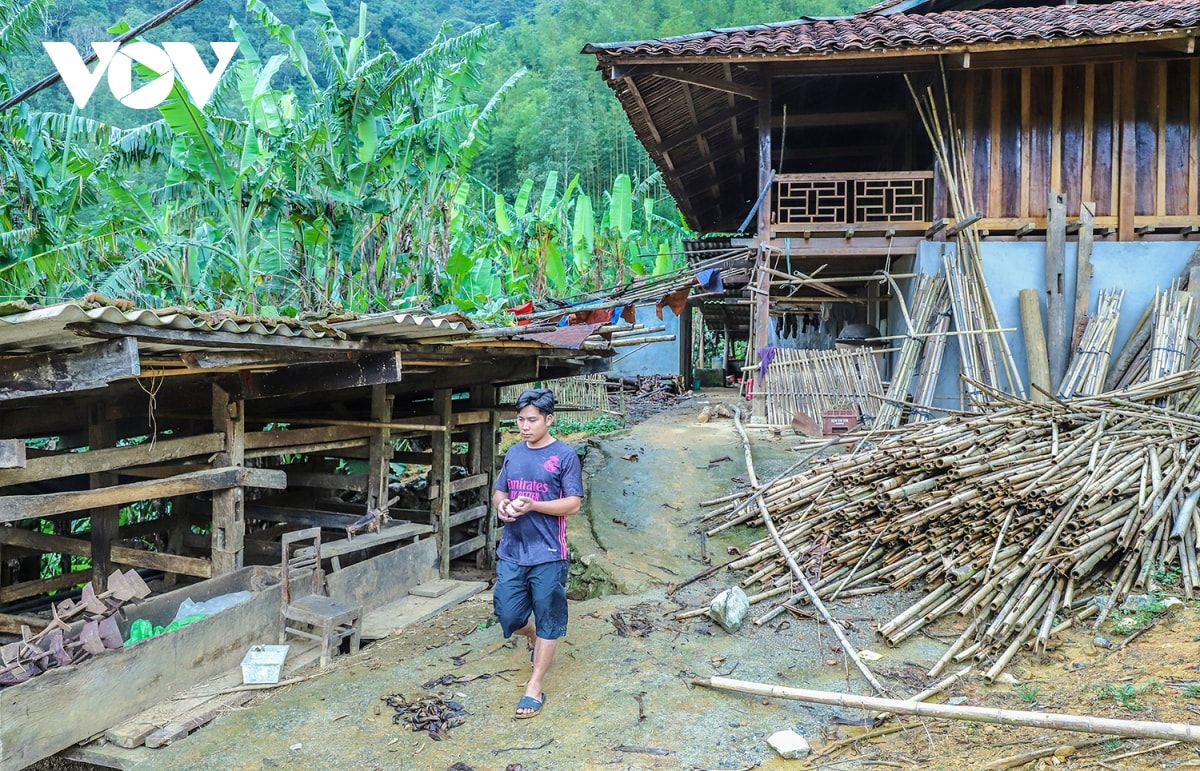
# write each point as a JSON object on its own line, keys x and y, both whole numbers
{"x": 98, "y": 460}
{"x": 1160, "y": 146}
{"x": 1056, "y": 128}
{"x": 15, "y": 508}
{"x": 1127, "y": 188}
{"x": 1193, "y": 86}
{"x": 1071, "y": 162}
{"x": 1026, "y": 142}
{"x": 57, "y": 372}
{"x": 1087, "y": 138}
{"x": 105, "y": 520}
{"x": 1177, "y": 133}
{"x": 995, "y": 199}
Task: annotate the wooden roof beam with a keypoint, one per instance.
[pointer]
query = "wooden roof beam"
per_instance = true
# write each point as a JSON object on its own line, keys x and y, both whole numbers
{"x": 696, "y": 79}
{"x": 700, "y": 163}
{"x": 702, "y": 127}
{"x": 816, "y": 119}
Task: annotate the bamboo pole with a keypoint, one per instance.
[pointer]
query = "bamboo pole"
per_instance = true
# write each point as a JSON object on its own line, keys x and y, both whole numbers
{"x": 1142, "y": 729}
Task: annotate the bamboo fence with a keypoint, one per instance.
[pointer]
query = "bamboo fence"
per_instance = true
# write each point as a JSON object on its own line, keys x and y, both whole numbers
{"x": 812, "y": 382}
{"x": 581, "y": 398}
{"x": 1020, "y": 521}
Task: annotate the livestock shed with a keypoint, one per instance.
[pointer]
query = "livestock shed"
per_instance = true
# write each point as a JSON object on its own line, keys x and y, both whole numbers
{"x": 1017, "y": 146}
{"x": 173, "y": 451}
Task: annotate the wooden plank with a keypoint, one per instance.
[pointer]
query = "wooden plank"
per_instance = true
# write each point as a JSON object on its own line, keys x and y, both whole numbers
{"x": 379, "y": 580}
{"x": 282, "y": 440}
{"x": 469, "y": 515}
{"x": 14, "y": 508}
{"x": 67, "y": 464}
{"x": 1026, "y": 142}
{"x": 379, "y": 447}
{"x": 468, "y": 546}
{"x": 1193, "y": 184}
{"x": 1088, "y": 140}
{"x": 483, "y": 460}
{"x": 59, "y": 372}
{"x": 1127, "y": 192}
{"x": 412, "y": 609}
{"x": 1056, "y": 128}
{"x": 1058, "y": 338}
{"x": 995, "y": 199}
{"x": 1083, "y": 270}
{"x": 105, "y": 520}
{"x": 123, "y": 555}
{"x": 11, "y": 623}
{"x": 439, "y": 478}
{"x": 27, "y": 589}
{"x": 371, "y": 370}
{"x": 300, "y": 516}
{"x": 1160, "y": 149}
{"x": 323, "y": 481}
{"x": 201, "y": 716}
{"x": 228, "y": 504}
{"x": 469, "y": 483}
{"x": 390, "y": 533}
{"x": 12, "y": 453}
{"x": 39, "y": 721}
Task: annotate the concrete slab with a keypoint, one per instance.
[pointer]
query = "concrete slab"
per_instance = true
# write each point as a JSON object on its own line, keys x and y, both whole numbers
{"x": 415, "y": 608}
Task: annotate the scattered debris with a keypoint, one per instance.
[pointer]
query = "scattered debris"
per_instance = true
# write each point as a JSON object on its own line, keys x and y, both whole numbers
{"x": 632, "y": 624}
{"x": 454, "y": 680}
{"x": 432, "y": 714}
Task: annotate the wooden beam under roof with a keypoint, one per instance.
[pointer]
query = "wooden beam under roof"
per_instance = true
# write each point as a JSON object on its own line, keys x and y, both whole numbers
{"x": 373, "y": 369}
{"x": 700, "y": 163}
{"x": 696, "y": 79}
{"x": 702, "y": 127}
{"x": 853, "y": 118}
{"x": 57, "y": 372}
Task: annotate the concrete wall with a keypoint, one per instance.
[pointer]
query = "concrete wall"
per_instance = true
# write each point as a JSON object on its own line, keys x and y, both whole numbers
{"x": 651, "y": 358}
{"x": 1139, "y": 268}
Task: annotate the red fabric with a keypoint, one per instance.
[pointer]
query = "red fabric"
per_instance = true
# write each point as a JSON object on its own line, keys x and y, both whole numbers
{"x": 594, "y": 317}
{"x": 522, "y": 310}
{"x": 629, "y": 314}
{"x": 676, "y": 301}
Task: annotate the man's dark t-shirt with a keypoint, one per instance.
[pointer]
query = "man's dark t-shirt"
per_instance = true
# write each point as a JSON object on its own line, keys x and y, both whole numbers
{"x": 545, "y": 474}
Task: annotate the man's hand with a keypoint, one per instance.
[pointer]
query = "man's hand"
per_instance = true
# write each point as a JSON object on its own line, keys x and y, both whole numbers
{"x": 522, "y": 504}
{"x": 505, "y": 511}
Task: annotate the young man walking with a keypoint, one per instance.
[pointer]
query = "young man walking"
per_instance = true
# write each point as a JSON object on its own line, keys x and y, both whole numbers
{"x": 540, "y": 485}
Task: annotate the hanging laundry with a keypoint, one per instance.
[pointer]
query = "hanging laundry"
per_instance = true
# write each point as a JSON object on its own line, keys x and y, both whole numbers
{"x": 711, "y": 280}
{"x": 676, "y": 301}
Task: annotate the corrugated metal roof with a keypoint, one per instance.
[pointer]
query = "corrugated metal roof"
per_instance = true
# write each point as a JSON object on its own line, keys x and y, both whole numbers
{"x": 900, "y": 30}
{"x": 45, "y": 329}
{"x": 403, "y": 327}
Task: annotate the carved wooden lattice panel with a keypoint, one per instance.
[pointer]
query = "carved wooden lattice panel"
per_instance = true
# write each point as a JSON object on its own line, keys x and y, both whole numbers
{"x": 889, "y": 200}
{"x": 810, "y": 201}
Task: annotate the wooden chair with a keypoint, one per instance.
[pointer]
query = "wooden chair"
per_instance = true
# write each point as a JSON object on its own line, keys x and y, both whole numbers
{"x": 330, "y": 620}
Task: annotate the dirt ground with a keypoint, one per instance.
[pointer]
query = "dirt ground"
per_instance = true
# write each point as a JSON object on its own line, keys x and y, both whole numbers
{"x": 620, "y": 694}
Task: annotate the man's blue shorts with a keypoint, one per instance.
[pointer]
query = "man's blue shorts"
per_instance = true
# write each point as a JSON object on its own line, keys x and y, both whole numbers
{"x": 538, "y": 589}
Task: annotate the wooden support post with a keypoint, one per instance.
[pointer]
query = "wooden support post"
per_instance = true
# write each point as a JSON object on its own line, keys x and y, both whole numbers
{"x": 378, "y": 449}
{"x": 759, "y": 333}
{"x": 1083, "y": 270}
{"x": 483, "y": 461}
{"x": 105, "y": 519}
{"x": 1057, "y": 336}
{"x": 1035, "y": 344}
{"x": 439, "y": 479}
{"x": 228, "y": 506}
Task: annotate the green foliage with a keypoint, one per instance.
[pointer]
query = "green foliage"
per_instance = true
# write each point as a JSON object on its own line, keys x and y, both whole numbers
{"x": 1191, "y": 691}
{"x": 595, "y": 426}
{"x": 1028, "y": 692}
{"x": 1130, "y": 621}
{"x": 1166, "y": 575}
{"x": 1124, "y": 695}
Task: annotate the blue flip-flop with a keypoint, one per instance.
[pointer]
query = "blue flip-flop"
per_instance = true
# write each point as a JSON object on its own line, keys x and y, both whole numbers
{"x": 530, "y": 703}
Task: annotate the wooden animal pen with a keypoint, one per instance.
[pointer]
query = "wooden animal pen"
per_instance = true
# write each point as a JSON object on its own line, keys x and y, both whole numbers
{"x": 580, "y": 398}
{"x": 224, "y": 433}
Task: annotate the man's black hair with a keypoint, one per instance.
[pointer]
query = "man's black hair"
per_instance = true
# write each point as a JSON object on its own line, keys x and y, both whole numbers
{"x": 542, "y": 398}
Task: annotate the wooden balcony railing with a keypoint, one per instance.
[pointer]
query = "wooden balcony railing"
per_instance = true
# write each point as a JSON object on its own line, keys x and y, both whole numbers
{"x": 894, "y": 199}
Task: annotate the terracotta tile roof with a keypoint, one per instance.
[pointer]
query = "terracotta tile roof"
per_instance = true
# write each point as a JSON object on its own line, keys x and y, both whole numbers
{"x": 868, "y": 32}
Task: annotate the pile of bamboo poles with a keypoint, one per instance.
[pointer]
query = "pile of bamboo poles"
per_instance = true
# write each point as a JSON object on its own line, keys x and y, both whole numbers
{"x": 1089, "y": 366}
{"x": 921, "y": 351}
{"x": 812, "y": 382}
{"x": 1022, "y": 520}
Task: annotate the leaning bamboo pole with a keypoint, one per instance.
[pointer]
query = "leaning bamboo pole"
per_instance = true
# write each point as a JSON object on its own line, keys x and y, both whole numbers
{"x": 1142, "y": 729}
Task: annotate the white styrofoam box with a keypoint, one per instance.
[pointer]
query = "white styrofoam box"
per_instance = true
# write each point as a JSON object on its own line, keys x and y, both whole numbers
{"x": 263, "y": 663}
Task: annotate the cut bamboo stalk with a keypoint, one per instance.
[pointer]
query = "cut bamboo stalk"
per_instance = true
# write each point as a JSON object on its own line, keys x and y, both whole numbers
{"x": 1182, "y": 732}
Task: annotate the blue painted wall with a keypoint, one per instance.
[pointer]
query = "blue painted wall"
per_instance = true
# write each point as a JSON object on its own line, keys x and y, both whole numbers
{"x": 1139, "y": 268}
{"x": 652, "y": 358}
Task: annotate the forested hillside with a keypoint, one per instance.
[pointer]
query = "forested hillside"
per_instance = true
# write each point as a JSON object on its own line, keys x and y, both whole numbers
{"x": 359, "y": 156}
